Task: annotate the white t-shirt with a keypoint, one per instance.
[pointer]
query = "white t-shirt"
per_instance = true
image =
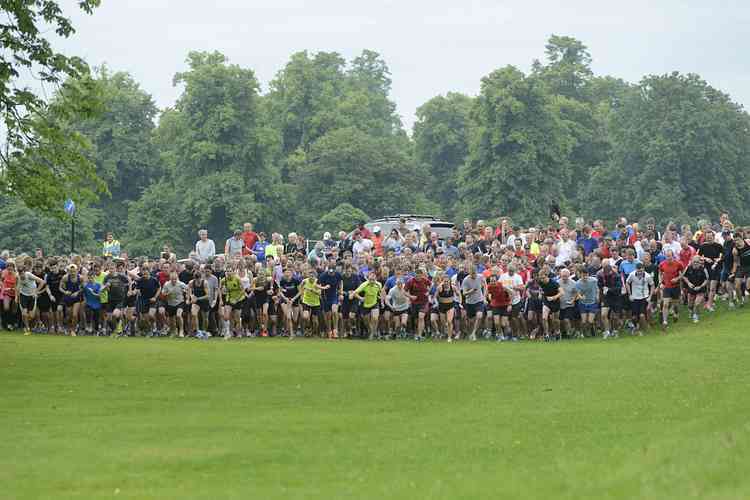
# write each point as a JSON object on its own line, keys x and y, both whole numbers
{"x": 640, "y": 286}
{"x": 363, "y": 245}
{"x": 205, "y": 249}
{"x": 565, "y": 251}
{"x": 512, "y": 282}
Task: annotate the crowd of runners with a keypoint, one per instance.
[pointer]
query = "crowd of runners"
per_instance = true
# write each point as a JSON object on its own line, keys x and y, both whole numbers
{"x": 506, "y": 283}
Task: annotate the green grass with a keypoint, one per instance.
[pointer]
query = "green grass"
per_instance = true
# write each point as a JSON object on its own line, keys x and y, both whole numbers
{"x": 655, "y": 417}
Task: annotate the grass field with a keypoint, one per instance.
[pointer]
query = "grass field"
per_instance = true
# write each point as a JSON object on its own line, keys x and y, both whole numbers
{"x": 662, "y": 417}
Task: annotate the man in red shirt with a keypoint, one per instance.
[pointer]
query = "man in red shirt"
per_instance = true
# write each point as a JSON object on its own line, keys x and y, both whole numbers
{"x": 500, "y": 307}
{"x": 671, "y": 273}
{"x": 250, "y": 238}
{"x": 418, "y": 289}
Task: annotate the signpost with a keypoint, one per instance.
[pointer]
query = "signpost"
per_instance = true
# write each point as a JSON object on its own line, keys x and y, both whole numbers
{"x": 70, "y": 209}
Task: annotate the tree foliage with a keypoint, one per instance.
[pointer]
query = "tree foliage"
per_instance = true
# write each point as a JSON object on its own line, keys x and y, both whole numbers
{"x": 45, "y": 160}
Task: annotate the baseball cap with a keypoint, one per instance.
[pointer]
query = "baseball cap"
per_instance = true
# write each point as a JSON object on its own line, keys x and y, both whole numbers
{"x": 326, "y": 235}
{"x": 376, "y": 229}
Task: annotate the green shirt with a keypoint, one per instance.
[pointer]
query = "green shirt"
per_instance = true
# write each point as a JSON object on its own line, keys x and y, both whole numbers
{"x": 310, "y": 293}
{"x": 371, "y": 291}
{"x": 104, "y": 294}
{"x": 233, "y": 287}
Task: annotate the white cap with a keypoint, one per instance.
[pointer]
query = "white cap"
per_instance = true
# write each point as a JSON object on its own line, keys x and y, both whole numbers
{"x": 326, "y": 235}
{"x": 376, "y": 229}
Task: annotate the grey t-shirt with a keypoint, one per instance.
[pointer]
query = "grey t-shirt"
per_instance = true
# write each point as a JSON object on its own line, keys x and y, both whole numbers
{"x": 472, "y": 289}
{"x": 589, "y": 288}
{"x": 212, "y": 285}
{"x": 26, "y": 284}
{"x": 398, "y": 299}
{"x": 235, "y": 246}
{"x": 175, "y": 292}
{"x": 569, "y": 291}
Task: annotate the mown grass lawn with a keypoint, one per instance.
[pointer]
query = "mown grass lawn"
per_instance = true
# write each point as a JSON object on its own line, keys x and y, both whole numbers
{"x": 657, "y": 417}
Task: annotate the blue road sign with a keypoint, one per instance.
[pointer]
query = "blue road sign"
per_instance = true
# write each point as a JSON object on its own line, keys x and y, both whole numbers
{"x": 70, "y": 207}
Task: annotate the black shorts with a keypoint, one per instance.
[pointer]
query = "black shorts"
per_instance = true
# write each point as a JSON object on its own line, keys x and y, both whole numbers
{"x": 237, "y": 306}
{"x": 28, "y": 302}
{"x": 714, "y": 274}
{"x": 638, "y": 306}
{"x": 172, "y": 310}
{"x": 44, "y": 303}
{"x": 367, "y": 310}
{"x": 415, "y": 309}
{"x": 692, "y": 292}
{"x": 399, "y": 313}
{"x": 313, "y": 310}
{"x": 473, "y": 309}
{"x": 515, "y": 310}
{"x": 569, "y": 313}
{"x": 552, "y": 306}
{"x": 613, "y": 302}
{"x": 261, "y": 298}
{"x": 146, "y": 305}
{"x": 534, "y": 305}
{"x": 501, "y": 311}
{"x": 348, "y": 307}
{"x": 203, "y": 305}
{"x": 444, "y": 307}
{"x": 130, "y": 301}
{"x": 115, "y": 304}
{"x": 671, "y": 293}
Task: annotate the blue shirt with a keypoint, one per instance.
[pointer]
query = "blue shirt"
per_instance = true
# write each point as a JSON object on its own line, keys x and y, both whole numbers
{"x": 588, "y": 244}
{"x": 92, "y": 301}
{"x": 627, "y": 267}
{"x": 334, "y": 280}
{"x": 3, "y": 265}
{"x": 259, "y": 249}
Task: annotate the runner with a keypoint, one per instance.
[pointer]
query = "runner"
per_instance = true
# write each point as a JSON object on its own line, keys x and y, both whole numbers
{"x": 551, "y": 294}
{"x": 641, "y": 288}
{"x": 175, "y": 292}
{"x": 671, "y": 274}
{"x": 474, "y": 289}
{"x": 587, "y": 288}
{"x": 311, "y": 292}
{"x": 500, "y": 297}
{"x": 26, "y": 293}
{"x": 696, "y": 279}
{"x": 120, "y": 296}
{"x": 289, "y": 293}
{"x": 711, "y": 253}
{"x": 199, "y": 304}
{"x": 418, "y": 288}
{"x": 71, "y": 288}
{"x": 331, "y": 283}
{"x": 370, "y": 293}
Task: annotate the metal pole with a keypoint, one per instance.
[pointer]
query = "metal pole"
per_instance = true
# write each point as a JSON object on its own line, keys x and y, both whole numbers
{"x": 72, "y": 235}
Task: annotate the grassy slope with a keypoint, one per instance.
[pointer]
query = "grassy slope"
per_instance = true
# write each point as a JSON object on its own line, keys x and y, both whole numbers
{"x": 656, "y": 417}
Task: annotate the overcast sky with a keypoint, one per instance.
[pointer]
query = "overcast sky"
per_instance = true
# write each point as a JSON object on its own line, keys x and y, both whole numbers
{"x": 432, "y": 47}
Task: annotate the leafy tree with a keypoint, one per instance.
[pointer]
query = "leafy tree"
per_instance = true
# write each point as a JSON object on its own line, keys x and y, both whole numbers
{"x": 568, "y": 69}
{"x": 680, "y": 149}
{"x": 23, "y": 230}
{"x": 44, "y": 161}
{"x": 518, "y": 151}
{"x": 441, "y": 143}
{"x": 342, "y": 218}
{"x": 349, "y": 166}
{"x": 125, "y": 155}
{"x": 214, "y": 152}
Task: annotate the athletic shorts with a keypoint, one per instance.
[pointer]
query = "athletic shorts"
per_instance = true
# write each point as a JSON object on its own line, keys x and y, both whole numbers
{"x": 348, "y": 307}
{"x": 399, "y": 313}
{"x": 27, "y": 302}
{"x": 420, "y": 308}
{"x": 260, "y": 299}
{"x": 146, "y": 304}
{"x": 714, "y": 274}
{"x": 692, "y": 292}
{"x": 69, "y": 301}
{"x": 515, "y": 309}
{"x": 203, "y": 305}
{"x": 112, "y": 305}
{"x": 444, "y": 307}
{"x": 534, "y": 305}
{"x": 552, "y": 306}
{"x": 639, "y": 306}
{"x": 328, "y": 302}
{"x": 130, "y": 301}
{"x": 473, "y": 309}
{"x": 44, "y": 303}
{"x": 588, "y": 308}
{"x": 172, "y": 310}
{"x": 367, "y": 310}
{"x": 671, "y": 293}
{"x": 568, "y": 313}
{"x": 237, "y": 306}
{"x": 613, "y": 302}
{"x": 501, "y": 311}
{"x": 313, "y": 310}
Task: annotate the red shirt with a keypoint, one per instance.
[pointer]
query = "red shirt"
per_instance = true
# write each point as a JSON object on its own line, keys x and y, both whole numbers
{"x": 669, "y": 271}
{"x": 499, "y": 296}
{"x": 420, "y": 288}
{"x": 686, "y": 255}
{"x": 163, "y": 277}
{"x": 250, "y": 238}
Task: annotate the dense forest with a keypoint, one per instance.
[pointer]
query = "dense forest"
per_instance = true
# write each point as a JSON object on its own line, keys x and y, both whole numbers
{"x": 324, "y": 147}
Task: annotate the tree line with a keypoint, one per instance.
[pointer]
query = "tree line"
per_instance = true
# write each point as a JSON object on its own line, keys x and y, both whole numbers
{"x": 324, "y": 147}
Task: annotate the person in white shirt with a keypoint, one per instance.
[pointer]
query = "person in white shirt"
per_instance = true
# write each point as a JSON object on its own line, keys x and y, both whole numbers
{"x": 511, "y": 279}
{"x": 565, "y": 249}
{"x": 640, "y": 289}
{"x": 361, "y": 244}
{"x": 204, "y": 248}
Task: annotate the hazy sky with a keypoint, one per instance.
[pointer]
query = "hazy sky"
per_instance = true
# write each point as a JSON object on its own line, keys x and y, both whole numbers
{"x": 431, "y": 47}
